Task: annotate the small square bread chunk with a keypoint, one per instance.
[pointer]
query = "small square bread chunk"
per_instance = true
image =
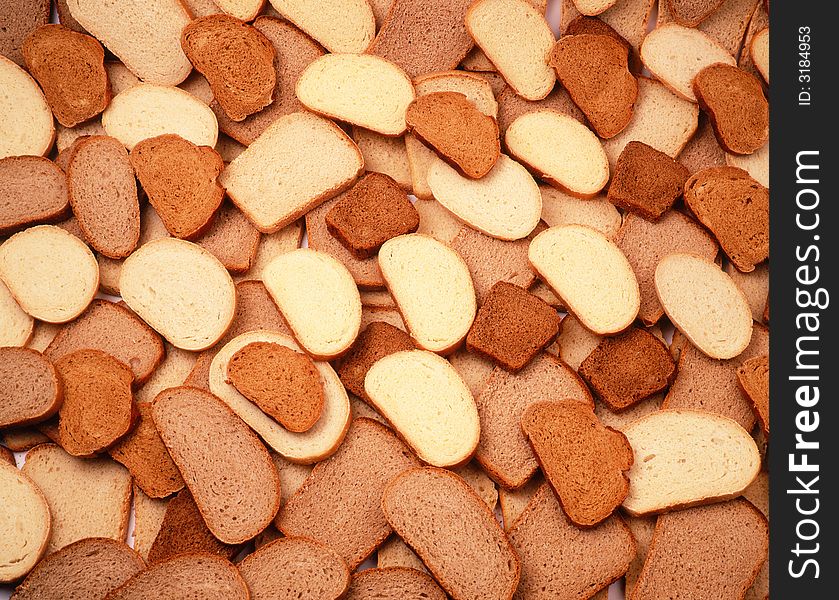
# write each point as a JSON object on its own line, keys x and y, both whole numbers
{"x": 646, "y": 181}
{"x": 379, "y": 339}
{"x": 512, "y": 326}
{"x": 627, "y": 368}
{"x": 373, "y": 211}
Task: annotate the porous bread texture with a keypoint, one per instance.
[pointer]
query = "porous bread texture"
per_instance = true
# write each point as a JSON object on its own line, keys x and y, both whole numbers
{"x": 753, "y": 376}
{"x": 561, "y": 150}
{"x": 591, "y": 8}
{"x": 704, "y": 304}
{"x": 384, "y": 154}
{"x": 272, "y": 183}
{"x": 394, "y": 582}
{"x": 574, "y": 343}
{"x": 17, "y": 326}
{"x": 25, "y": 116}
{"x": 361, "y": 89}
{"x": 149, "y": 110}
{"x": 517, "y": 39}
{"x": 32, "y": 190}
{"x": 315, "y": 444}
{"x": 560, "y": 208}
{"x": 759, "y": 51}
{"x": 685, "y": 458}
{"x": 432, "y": 288}
{"x": 24, "y": 523}
{"x": 246, "y": 10}
{"x": 590, "y": 274}
{"x": 319, "y": 300}
{"x": 52, "y": 274}
{"x": 145, "y": 38}
{"x": 270, "y": 246}
{"x": 163, "y": 277}
{"x": 691, "y": 13}
{"x": 676, "y": 54}
{"x": 148, "y": 517}
{"x": 505, "y": 203}
{"x": 340, "y": 26}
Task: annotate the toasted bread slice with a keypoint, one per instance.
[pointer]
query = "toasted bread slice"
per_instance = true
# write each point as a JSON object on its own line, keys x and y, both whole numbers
{"x": 703, "y": 150}
{"x": 376, "y": 341}
{"x": 26, "y": 117}
{"x": 396, "y": 553}
{"x": 345, "y": 26}
{"x": 394, "y": 582}
{"x": 753, "y": 375}
{"x": 513, "y": 502}
{"x": 759, "y": 50}
{"x": 473, "y": 369}
{"x": 22, "y": 439}
{"x": 20, "y": 19}
{"x": 25, "y": 524}
{"x": 646, "y": 181}
{"x": 32, "y": 190}
{"x": 727, "y": 25}
{"x": 758, "y": 20}
{"x": 29, "y": 387}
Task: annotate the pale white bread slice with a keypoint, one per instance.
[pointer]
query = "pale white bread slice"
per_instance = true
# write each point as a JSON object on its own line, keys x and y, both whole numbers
{"x": 517, "y": 39}
{"x": 246, "y": 10}
{"x": 318, "y": 299}
{"x": 88, "y": 497}
{"x": 338, "y": 25}
{"x": 593, "y": 7}
{"x": 427, "y": 403}
{"x": 704, "y": 303}
{"x": 675, "y": 54}
{"x": 148, "y": 517}
{"x": 561, "y": 150}
{"x": 361, "y": 89}
{"x": 560, "y": 208}
{"x": 24, "y": 523}
{"x": 590, "y": 274}
{"x": 760, "y": 52}
{"x": 148, "y": 110}
{"x": 15, "y": 325}
{"x": 755, "y": 164}
{"x": 52, "y": 274}
{"x": 26, "y": 123}
{"x": 182, "y": 291}
{"x": 432, "y": 287}
{"x": 283, "y": 174}
{"x": 685, "y": 458}
{"x": 145, "y": 36}
{"x": 504, "y": 204}
{"x": 315, "y": 444}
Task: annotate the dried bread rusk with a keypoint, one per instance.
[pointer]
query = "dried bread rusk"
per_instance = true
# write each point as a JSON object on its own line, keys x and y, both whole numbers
{"x": 25, "y": 116}
{"x": 32, "y": 190}
{"x": 394, "y": 582}
{"x": 30, "y": 390}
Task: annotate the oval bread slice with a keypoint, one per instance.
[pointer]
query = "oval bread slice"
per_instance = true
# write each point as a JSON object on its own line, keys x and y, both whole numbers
{"x": 338, "y": 25}
{"x": 561, "y": 149}
{"x": 182, "y": 291}
{"x": 147, "y": 110}
{"x": 51, "y": 273}
{"x": 424, "y": 398}
{"x": 433, "y": 289}
{"x": 759, "y": 51}
{"x": 593, "y": 7}
{"x": 685, "y": 458}
{"x": 315, "y": 444}
{"x": 25, "y": 117}
{"x": 590, "y": 274}
{"x": 15, "y": 325}
{"x": 361, "y": 89}
{"x": 705, "y": 304}
{"x": 24, "y": 523}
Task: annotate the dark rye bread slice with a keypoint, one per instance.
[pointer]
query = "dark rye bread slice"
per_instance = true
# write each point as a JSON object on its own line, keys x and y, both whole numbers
{"x": 142, "y": 452}
{"x": 735, "y": 208}
{"x": 454, "y": 533}
{"x": 377, "y": 340}
{"x": 237, "y": 61}
{"x": 295, "y": 568}
{"x": 285, "y": 384}
{"x": 181, "y": 181}
{"x": 646, "y": 181}
{"x": 114, "y": 329}
{"x": 370, "y": 213}
{"x": 691, "y": 13}
{"x": 627, "y": 368}
{"x": 561, "y": 560}
{"x": 512, "y": 326}
{"x": 103, "y": 194}
{"x": 87, "y": 569}
{"x": 70, "y": 67}
{"x": 19, "y": 18}
{"x": 712, "y": 551}
{"x": 32, "y": 190}
{"x": 753, "y": 375}
{"x": 98, "y": 407}
{"x": 595, "y": 71}
{"x": 734, "y": 101}
{"x": 453, "y": 126}
{"x": 30, "y": 391}
{"x": 232, "y": 478}
{"x": 232, "y": 239}
{"x": 339, "y": 504}
{"x": 394, "y": 582}
{"x": 424, "y": 36}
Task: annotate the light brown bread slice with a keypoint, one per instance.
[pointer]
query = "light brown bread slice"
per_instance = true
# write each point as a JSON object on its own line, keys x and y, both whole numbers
{"x": 25, "y": 523}
{"x": 473, "y": 369}
{"x": 753, "y": 375}
{"x": 19, "y": 20}
{"x": 758, "y": 20}
{"x": 232, "y": 239}
{"x": 30, "y": 390}
{"x": 23, "y": 439}
{"x": 148, "y": 515}
{"x": 628, "y": 18}
{"x": 726, "y": 25}
{"x": 32, "y": 190}
{"x": 513, "y": 502}
{"x": 691, "y": 13}
{"x": 26, "y": 117}
{"x": 759, "y": 50}
{"x": 396, "y": 553}
{"x": 7, "y": 456}
{"x": 18, "y": 328}
{"x": 385, "y": 155}
{"x": 754, "y": 285}
{"x": 180, "y": 414}
{"x": 574, "y": 343}
{"x": 247, "y": 10}
{"x": 394, "y": 582}
{"x": 755, "y": 164}
{"x": 703, "y": 150}
{"x": 646, "y": 181}
{"x": 560, "y": 208}
{"x": 345, "y": 26}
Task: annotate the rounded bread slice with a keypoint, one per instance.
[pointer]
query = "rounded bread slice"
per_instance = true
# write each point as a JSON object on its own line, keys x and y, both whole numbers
{"x": 25, "y": 117}
{"x": 24, "y": 523}
{"x": 338, "y": 25}
{"x": 17, "y": 326}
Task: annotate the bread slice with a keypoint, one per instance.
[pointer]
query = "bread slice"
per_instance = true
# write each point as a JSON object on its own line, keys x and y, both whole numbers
{"x": 19, "y": 21}
{"x": 148, "y": 516}
{"x": 757, "y": 21}
{"x": 691, "y": 13}
{"x": 185, "y": 576}
{"x": 574, "y": 343}
{"x": 685, "y": 458}
{"x": 171, "y": 371}
{"x": 216, "y": 45}
{"x": 32, "y": 190}
{"x": 17, "y": 326}
{"x": 703, "y": 150}
{"x": 314, "y": 445}
{"x": 560, "y": 560}
{"x": 376, "y": 341}
{"x": 246, "y": 10}
{"x": 385, "y": 155}
{"x": 427, "y": 402}
{"x": 754, "y": 285}
{"x": 694, "y": 546}
{"x": 753, "y": 375}
{"x": 395, "y": 553}
{"x": 727, "y": 25}
{"x": 271, "y": 202}
{"x": 560, "y": 208}
{"x": 25, "y": 523}
{"x": 90, "y": 568}
{"x": 161, "y": 276}
{"x": 755, "y": 164}
{"x": 145, "y": 39}
{"x": 30, "y": 390}
{"x": 87, "y": 497}
{"x": 433, "y": 289}
{"x": 646, "y": 181}
{"x": 704, "y": 304}
{"x": 473, "y": 369}
{"x": 759, "y": 50}
{"x": 432, "y": 509}
{"x": 232, "y": 239}
{"x": 52, "y": 274}
{"x": 394, "y": 582}
{"x": 345, "y": 26}
{"x": 605, "y": 299}
{"x": 513, "y": 502}
{"x": 23, "y": 439}
{"x": 498, "y": 28}
{"x": 26, "y": 117}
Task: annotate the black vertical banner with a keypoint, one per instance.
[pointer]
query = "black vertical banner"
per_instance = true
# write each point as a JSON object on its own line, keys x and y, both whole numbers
{"x": 804, "y": 448}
